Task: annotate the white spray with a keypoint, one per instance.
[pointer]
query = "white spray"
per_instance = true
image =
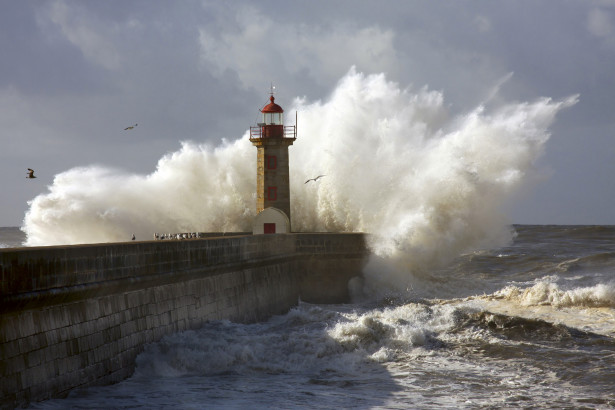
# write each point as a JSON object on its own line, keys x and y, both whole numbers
{"x": 426, "y": 186}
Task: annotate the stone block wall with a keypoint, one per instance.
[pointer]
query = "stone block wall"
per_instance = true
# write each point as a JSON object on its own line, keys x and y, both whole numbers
{"x": 76, "y": 316}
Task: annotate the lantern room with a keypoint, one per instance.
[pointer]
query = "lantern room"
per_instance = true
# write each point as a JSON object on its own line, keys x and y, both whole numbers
{"x": 273, "y": 123}
{"x": 272, "y": 113}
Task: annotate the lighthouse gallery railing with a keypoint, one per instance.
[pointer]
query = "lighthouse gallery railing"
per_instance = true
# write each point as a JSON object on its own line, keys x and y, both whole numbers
{"x": 289, "y": 131}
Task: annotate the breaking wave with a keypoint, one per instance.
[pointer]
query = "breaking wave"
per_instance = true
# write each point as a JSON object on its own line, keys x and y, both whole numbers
{"x": 547, "y": 292}
{"x": 428, "y": 185}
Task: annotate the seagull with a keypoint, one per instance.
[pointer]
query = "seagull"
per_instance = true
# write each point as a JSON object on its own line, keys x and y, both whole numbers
{"x": 314, "y": 179}
{"x": 131, "y": 127}
{"x": 30, "y": 173}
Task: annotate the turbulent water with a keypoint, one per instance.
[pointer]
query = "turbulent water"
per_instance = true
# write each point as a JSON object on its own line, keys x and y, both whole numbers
{"x": 531, "y": 324}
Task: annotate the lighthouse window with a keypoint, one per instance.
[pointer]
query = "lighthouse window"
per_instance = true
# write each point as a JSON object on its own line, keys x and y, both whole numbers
{"x": 272, "y": 193}
{"x": 273, "y": 118}
{"x": 271, "y": 161}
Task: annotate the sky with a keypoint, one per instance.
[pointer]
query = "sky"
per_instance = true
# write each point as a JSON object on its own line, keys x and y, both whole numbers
{"x": 75, "y": 74}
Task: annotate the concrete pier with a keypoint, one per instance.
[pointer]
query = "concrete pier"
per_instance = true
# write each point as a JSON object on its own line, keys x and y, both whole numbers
{"x": 75, "y": 316}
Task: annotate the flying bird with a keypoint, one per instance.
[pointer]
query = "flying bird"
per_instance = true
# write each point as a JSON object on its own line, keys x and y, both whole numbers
{"x": 30, "y": 173}
{"x": 314, "y": 179}
{"x": 131, "y": 127}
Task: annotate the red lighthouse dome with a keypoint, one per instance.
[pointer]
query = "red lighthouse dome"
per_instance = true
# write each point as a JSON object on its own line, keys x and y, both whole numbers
{"x": 272, "y": 106}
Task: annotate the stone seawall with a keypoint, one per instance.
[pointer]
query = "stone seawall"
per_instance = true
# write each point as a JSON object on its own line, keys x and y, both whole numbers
{"x": 74, "y": 316}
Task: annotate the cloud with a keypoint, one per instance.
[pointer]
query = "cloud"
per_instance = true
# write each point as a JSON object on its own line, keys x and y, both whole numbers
{"x": 600, "y": 24}
{"x": 482, "y": 23}
{"x": 83, "y": 32}
{"x": 260, "y": 48}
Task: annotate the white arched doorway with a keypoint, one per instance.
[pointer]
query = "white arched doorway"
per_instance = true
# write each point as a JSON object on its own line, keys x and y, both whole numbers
{"x": 271, "y": 220}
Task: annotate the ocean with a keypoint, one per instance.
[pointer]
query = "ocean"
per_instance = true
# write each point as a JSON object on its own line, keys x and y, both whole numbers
{"x": 527, "y": 325}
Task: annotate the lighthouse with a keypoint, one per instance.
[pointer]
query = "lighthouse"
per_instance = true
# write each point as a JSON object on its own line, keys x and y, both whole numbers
{"x": 272, "y": 139}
